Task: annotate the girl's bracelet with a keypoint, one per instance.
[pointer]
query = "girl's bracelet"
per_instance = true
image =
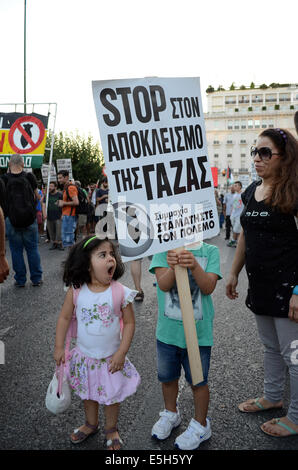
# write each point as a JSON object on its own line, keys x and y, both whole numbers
{"x": 295, "y": 290}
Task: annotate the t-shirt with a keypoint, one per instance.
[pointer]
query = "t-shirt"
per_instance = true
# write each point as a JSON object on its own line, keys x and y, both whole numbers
{"x": 228, "y": 201}
{"x": 271, "y": 256}
{"x": 101, "y": 192}
{"x": 38, "y": 201}
{"x": 170, "y": 329}
{"x": 98, "y": 334}
{"x": 237, "y": 205}
{"x": 54, "y": 211}
{"x": 72, "y": 191}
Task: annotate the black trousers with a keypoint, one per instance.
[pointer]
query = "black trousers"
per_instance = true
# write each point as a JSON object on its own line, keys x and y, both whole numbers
{"x": 228, "y": 227}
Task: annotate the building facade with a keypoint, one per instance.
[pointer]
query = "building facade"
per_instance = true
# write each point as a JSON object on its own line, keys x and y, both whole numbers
{"x": 236, "y": 117}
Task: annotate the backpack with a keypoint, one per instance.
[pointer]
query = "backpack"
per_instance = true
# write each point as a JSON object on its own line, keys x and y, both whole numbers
{"x": 20, "y": 201}
{"x": 82, "y": 208}
{"x": 118, "y": 298}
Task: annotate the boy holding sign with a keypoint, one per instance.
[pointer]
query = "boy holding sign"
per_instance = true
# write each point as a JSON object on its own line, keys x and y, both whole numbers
{"x": 203, "y": 267}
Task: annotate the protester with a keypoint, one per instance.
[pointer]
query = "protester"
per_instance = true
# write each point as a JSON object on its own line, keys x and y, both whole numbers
{"x": 219, "y": 208}
{"x": 102, "y": 198}
{"x": 90, "y": 226}
{"x": 39, "y": 211}
{"x": 68, "y": 204}
{"x": 227, "y": 209}
{"x": 98, "y": 371}
{"x": 53, "y": 216}
{"x": 296, "y": 121}
{"x": 268, "y": 247}
{"x": 21, "y": 225}
{"x": 4, "y": 268}
{"x": 136, "y": 273}
{"x": 82, "y": 217}
{"x": 237, "y": 207}
{"x": 204, "y": 271}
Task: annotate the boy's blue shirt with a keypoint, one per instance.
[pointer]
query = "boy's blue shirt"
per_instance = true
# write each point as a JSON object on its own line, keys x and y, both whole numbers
{"x": 170, "y": 330}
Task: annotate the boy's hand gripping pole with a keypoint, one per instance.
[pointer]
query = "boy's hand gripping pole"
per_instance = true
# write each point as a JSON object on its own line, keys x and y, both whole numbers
{"x": 189, "y": 323}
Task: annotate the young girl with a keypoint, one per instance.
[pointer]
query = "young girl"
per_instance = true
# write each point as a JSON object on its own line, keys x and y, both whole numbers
{"x": 98, "y": 370}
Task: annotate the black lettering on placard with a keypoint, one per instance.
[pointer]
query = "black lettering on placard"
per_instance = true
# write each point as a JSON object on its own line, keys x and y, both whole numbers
{"x": 204, "y": 183}
{"x": 177, "y": 188}
{"x": 123, "y": 92}
{"x": 157, "y": 109}
{"x": 141, "y": 90}
{"x": 162, "y": 181}
{"x": 115, "y": 173}
{"x": 191, "y": 176}
{"x": 146, "y": 170}
{"x": 185, "y": 107}
{"x": 136, "y": 178}
{"x": 103, "y": 98}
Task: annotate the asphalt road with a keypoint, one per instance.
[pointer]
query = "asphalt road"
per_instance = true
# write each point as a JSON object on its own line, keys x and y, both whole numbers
{"x": 27, "y": 328}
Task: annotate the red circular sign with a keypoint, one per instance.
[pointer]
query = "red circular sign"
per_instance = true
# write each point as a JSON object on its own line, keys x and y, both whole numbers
{"x": 17, "y": 126}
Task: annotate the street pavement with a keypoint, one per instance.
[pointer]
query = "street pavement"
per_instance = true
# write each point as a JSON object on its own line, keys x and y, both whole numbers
{"x": 27, "y": 329}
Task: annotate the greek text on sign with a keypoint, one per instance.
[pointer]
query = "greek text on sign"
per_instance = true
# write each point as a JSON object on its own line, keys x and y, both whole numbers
{"x": 154, "y": 144}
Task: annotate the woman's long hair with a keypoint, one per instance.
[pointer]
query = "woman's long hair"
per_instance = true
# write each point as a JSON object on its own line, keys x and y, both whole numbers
{"x": 77, "y": 264}
{"x": 284, "y": 193}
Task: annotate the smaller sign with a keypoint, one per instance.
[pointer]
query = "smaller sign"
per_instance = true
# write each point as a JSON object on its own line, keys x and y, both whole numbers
{"x": 65, "y": 164}
{"x": 45, "y": 173}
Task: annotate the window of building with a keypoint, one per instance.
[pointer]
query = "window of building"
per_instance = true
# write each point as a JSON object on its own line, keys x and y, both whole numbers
{"x": 216, "y": 155}
{"x": 230, "y": 124}
{"x": 243, "y": 99}
{"x": 257, "y": 123}
{"x": 236, "y": 125}
{"x": 257, "y": 99}
{"x": 284, "y": 97}
{"x": 250, "y": 124}
{"x": 243, "y": 124}
{"x": 271, "y": 98}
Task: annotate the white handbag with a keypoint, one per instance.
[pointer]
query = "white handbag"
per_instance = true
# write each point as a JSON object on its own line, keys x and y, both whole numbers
{"x": 58, "y": 397}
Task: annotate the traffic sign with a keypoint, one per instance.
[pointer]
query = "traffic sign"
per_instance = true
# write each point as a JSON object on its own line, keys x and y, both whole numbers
{"x": 26, "y": 134}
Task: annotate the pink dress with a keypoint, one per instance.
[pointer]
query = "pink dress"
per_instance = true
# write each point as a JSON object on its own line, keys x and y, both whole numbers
{"x": 98, "y": 338}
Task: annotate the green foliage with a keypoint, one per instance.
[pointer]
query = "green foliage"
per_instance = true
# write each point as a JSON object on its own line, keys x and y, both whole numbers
{"x": 242, "y": 87}
{"x": 232, "y": 87}
{"x": 252, "y": 85}
{"x": 263, "y": 86}
{"x": 276, "y": 106}
{"x": 86, "y": 156}
{"x": 210, "y": 89}
{"x": 220, "y": 88}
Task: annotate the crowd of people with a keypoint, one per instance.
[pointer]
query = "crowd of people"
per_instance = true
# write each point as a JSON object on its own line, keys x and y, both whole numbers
{"x": 263, "y": 223}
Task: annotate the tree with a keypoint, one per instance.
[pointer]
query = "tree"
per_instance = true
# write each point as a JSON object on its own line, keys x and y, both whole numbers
{"x": 210, "y": 89}
{"x": 232, "y": 87}
{"x": 86, "y": 156}
{"x": 252, "y": 85}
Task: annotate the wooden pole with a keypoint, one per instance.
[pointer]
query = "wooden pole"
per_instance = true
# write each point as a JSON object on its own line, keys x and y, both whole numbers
{"x": 189, "y": 324}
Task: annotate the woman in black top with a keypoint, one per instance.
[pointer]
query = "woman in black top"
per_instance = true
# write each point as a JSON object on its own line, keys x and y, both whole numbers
{"x": 268, "y": 247}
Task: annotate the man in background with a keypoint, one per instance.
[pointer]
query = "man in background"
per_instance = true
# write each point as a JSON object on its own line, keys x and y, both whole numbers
{"x": 68, "y": 204}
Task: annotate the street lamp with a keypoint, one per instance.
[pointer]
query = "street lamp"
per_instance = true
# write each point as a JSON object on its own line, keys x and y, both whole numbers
{"x": 25, "y": 99}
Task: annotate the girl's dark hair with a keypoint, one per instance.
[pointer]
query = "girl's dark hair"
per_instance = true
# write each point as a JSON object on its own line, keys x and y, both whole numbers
{"x": 77, "y": 264}
{"x": 284, "y": 193}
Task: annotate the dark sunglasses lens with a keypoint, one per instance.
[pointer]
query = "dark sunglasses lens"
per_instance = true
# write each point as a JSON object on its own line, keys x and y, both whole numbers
{"x": 265, "y": 152}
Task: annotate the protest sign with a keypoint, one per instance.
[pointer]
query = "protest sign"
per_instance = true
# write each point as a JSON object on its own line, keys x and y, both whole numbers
{"x": 23, "y": 134}
{"x": 155, "y": 149}
{"x": 65, "y": 164}
{"x": 45, "y": 173}
{"x": 154, "y": 144}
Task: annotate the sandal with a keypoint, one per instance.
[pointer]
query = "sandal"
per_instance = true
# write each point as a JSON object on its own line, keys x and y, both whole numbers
{"x": 112, "y": 442}
{"x": 279, "y": 423}
{"x": 257, "y": 403}
{"x": 140, "y": 296}
{"x": 81, "y": 436}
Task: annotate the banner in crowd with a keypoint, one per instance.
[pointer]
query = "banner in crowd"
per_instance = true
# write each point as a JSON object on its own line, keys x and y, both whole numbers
{"x": 45, "y": 173}
{"x": 155, "y": 149}
{"x": 23, "y": 134}
{"x": 65, "y": 164}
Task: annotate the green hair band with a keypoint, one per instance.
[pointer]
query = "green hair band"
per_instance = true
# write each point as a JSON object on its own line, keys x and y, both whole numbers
{"x": 88, "y": 241}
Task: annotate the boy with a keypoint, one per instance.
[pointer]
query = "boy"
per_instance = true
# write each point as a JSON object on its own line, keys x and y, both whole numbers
{"x": 203, "y": 266}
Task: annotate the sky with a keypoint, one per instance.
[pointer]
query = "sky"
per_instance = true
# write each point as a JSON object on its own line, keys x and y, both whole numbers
{"x": 71, "y": 42}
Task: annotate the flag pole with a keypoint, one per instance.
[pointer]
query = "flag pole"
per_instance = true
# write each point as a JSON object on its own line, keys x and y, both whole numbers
{"x": 25, "y": 97}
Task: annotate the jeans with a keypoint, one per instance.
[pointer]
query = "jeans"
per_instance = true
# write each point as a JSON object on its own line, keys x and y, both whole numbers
{"x": 69, "y": 223}
{"x": 18, "y": 240}
{"x": 280, "y": 339}
{"x": 170, "y": 358}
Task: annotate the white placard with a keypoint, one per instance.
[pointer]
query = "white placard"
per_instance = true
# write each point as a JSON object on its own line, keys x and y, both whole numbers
{"x": 45, "y": 173}
{"x": 155, "y": 149}
{"x": 65, "y": 164}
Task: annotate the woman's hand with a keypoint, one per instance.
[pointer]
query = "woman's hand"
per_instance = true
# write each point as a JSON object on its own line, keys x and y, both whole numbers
{"x": 293, "y": 308}
{"x": 117, "y": 362}
{"x": 231, "y": 292}
{"x": 59, "y": 355}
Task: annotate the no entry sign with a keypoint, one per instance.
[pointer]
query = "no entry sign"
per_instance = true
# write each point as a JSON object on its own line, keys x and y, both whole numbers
{"x": 26, "y": 134}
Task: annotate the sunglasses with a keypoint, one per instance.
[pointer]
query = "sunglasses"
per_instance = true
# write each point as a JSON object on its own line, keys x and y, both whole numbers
{"x": 265, "y": 153}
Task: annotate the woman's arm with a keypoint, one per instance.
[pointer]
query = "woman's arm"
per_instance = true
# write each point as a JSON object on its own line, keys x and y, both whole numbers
{"x": 238, "y": 263}
{"x": 62, "y": 327}
{"x": 118, "y": 359}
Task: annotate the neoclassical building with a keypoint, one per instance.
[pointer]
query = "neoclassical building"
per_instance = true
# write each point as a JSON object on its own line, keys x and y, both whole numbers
{"x": 236, "y": 116}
